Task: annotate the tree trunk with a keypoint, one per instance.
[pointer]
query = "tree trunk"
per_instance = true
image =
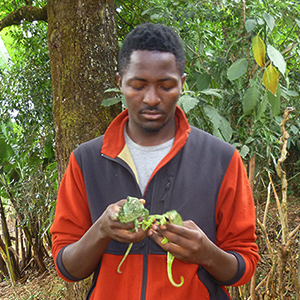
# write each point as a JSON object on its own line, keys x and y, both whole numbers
{"x": 251, "y": 181}
{"x": 83, "y": 49}
{"x": 37, "y": 255}
{"x": 13, "y": 264}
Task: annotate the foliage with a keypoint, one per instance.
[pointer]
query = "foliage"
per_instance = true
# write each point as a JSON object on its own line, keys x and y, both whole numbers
{"x": 25, "y": 87}
{"x": 233, "y": 50}
{"x": 28, "y": 182}
{"x": 242, "y": 62}
{"x": 129, "y": 14}
{"x": 28, "y": 176}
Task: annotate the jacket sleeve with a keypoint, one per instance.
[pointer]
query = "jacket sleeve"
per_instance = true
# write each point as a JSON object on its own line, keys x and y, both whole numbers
{"x": 235, "y": 217}
{"x": 72, "y": 216}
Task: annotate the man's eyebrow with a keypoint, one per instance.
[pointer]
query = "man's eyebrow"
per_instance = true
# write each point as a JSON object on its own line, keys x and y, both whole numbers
{"x": 137, "y": 78}
{"x": 166, "y": 79}
{"x": 142, "y": 79}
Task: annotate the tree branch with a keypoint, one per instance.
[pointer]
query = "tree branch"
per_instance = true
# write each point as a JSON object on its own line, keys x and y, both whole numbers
{"x": 28, "y": 13}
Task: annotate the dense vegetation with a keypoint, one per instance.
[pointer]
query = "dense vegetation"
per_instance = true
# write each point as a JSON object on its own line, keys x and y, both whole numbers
{"x": 243, "y": 73}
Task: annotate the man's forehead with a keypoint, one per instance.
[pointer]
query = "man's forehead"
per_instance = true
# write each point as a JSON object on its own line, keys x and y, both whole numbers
{"x": 151, "y": 65}
{"x": 137, "y": 55}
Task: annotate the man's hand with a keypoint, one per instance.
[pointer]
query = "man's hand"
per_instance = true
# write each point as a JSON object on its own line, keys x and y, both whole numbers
{"x": 82, "y": 257}
{"x": 114, "y": 229}
{"x": 129, "y": 213}
{"x": 189, "y": 244}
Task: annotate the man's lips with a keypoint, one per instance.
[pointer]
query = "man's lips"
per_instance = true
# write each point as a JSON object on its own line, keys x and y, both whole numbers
{"x": 152, "y": 114}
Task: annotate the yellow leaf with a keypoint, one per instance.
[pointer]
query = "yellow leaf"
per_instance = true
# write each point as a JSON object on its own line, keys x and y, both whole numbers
{"x": 271, "y": 79}
{"x": 259, "y": 50}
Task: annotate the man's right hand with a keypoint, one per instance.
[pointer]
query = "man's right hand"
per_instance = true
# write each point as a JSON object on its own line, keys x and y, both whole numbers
{"x": 81, "y": 258}
{"x": 114, "y": 229}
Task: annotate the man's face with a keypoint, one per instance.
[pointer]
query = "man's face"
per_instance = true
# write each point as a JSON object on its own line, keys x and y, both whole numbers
{"x": 151, "y": 85}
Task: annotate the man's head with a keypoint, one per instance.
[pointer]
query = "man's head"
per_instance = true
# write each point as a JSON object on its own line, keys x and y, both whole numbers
{"x": 151, "y": 77}
{"x": 152, "y": 37}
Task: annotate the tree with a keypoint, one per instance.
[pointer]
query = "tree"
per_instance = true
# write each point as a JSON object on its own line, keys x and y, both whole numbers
{"x": 83, "y": 47}
{"x": 82, "y": 40}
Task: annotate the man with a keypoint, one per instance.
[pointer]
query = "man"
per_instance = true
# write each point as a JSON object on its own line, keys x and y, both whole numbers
{"x": 150, "y": 152}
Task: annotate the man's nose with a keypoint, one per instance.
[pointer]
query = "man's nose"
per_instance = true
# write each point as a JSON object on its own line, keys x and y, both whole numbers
{"x": 151, "y": 97}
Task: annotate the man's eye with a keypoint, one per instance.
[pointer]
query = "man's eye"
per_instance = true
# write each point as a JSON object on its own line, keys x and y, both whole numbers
{"x": 166, "y": 88}
{"x": 137, "y": 88}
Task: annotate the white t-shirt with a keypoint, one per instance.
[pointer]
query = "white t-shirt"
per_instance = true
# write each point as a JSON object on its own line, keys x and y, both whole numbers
{"x": 146, "y": 158}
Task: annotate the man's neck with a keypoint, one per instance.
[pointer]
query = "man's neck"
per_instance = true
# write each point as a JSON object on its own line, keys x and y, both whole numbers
{"x": 147, "y": 138}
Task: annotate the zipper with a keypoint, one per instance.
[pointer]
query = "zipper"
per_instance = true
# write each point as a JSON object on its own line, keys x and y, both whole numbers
{"x": 145, "y": 271}
{"x": 146, "y": 250}
{"x": 145, "y": 253}
{"x": 121, "y": 162}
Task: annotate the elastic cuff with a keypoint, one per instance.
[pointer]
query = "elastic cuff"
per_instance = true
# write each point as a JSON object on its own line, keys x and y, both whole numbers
{"x": 61, "y": 267}
{"x": 240, "y": 272}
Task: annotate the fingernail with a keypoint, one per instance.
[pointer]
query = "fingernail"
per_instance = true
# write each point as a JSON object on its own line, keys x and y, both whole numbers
{"x": 155, "y": 227}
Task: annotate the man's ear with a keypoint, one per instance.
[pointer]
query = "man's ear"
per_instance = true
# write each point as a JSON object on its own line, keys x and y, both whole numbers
{"x": 119, "y": 78}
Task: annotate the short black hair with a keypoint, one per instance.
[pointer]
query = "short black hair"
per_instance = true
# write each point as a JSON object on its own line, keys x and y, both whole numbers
{"x": 152, "y": 37}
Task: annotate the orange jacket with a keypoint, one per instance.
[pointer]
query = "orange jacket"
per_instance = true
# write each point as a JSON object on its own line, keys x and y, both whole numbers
{"x": 202, "y": 177}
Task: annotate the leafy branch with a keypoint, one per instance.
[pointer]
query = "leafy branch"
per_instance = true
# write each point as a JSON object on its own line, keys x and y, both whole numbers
{"x": 27, "y": 12}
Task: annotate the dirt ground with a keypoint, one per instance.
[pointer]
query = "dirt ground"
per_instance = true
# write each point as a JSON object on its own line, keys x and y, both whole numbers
{"x": 34, "y": 286}
{"x": 49, "y": 286}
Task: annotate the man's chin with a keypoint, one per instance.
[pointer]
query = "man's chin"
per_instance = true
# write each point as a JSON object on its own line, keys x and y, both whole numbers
{"x": 151, "y": 130}
{"x": 152, "y": 127}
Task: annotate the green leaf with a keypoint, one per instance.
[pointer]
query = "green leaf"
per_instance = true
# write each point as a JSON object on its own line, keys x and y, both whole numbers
{"x": 235, "y": 145}
{"x": 213, "y": 115}
{"x": 260, "y": 21}
{"x": 5, "y": 150}
{"x": 294, "y": 130}
{"x": 269, "y": 20}
{"x": 249, "y": 140}
{"x": 112, "y": 90}
{"x": 261, "y": 107}
{"x": 187, "y": 103}
{"x": 291, "y": 93}
{"x": 250, "y": 24}
{"x": 244, "y": 151}
{"x": 250, "y": 99}
{"x": 298, "y": 22}
{"x": 221, "y": 127}
{"x": 203, "y": 81}
{"x": 156, "y": 16}
{"x": 225, "y": 129}
{"x": 147, "y": 11}
{"x": 212, "y": 92}
{"x": 111, "y": 101}
{"x": 277, "y": 59}
{"x": 274, "y": 100}
{"x": 237, "y": 69}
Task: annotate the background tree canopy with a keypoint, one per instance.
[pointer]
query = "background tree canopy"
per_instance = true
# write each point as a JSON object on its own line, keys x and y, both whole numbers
{"x": 242, "y": 62}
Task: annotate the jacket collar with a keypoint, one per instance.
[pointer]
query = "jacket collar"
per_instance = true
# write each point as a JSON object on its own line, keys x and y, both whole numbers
{"x": 114, "y": 141}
